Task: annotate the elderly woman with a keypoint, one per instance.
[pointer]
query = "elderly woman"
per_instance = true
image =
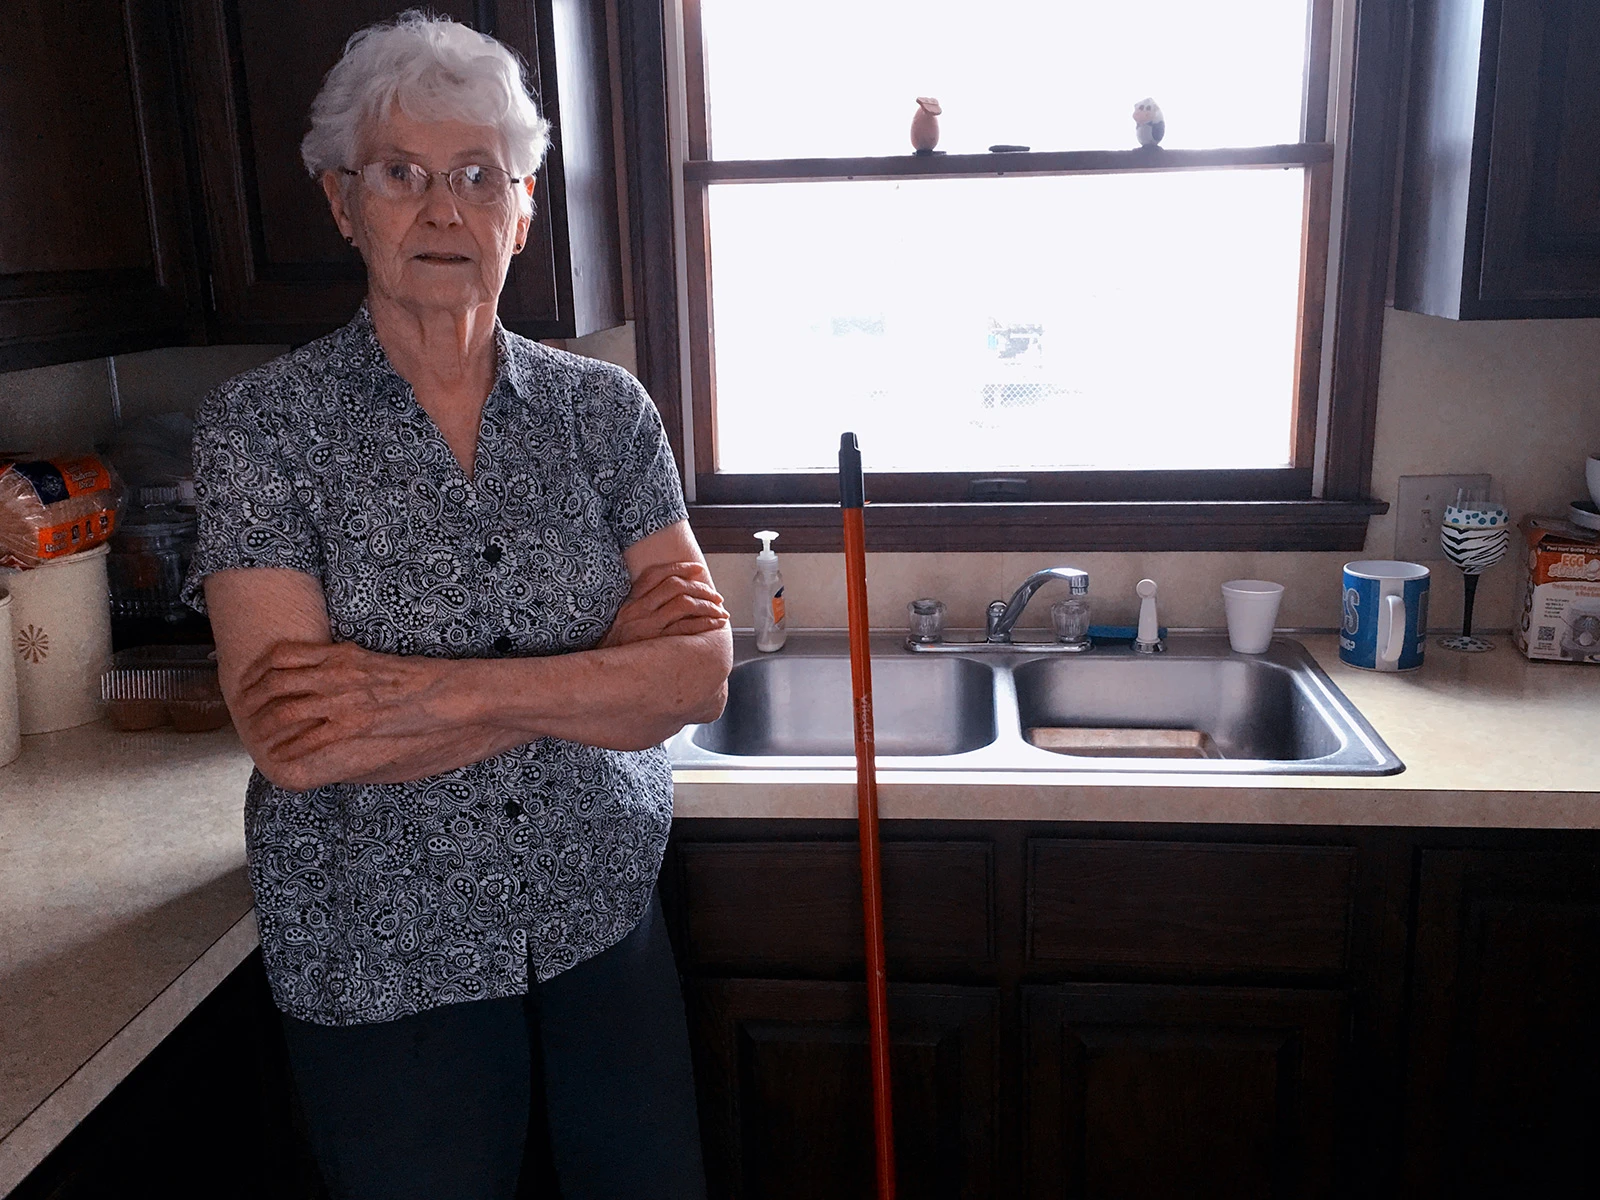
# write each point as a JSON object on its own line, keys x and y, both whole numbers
{"x": 457, "y": 609}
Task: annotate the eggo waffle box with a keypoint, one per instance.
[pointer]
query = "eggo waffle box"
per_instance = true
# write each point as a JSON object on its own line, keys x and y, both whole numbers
{"x": 1560, "y": 592}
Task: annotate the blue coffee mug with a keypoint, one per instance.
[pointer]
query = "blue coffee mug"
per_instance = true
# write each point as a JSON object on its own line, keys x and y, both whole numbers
{"x": 1385, "y": 625}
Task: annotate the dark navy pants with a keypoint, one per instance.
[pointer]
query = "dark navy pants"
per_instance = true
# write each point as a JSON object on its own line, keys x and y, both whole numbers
{"x": 437, "y": 1106}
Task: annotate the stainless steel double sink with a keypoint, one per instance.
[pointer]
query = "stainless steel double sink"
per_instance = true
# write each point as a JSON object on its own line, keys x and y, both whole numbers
{"x": 1196, "y": 708}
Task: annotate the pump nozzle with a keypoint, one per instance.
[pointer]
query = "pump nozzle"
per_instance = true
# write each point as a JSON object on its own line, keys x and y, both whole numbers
{"x": 766, "y": 537}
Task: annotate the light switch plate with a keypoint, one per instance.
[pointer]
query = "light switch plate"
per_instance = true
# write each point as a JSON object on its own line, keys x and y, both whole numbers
{"x": 1418, "y": 509}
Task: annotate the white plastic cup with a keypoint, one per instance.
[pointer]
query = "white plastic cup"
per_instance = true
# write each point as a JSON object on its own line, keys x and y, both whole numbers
{"x": 10, "y": 727}
{"x": 1251, "y": 606}
{"x": 60, "y": 641}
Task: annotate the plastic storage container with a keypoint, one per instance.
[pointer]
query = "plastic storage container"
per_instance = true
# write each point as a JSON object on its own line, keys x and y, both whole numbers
{"x": 149, "y": 556}
{"x": 148, "y": 686}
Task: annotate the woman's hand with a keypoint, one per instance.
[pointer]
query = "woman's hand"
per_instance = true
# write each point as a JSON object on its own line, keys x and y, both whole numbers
{"x": 301, "y": 697}
{"x": 668, "y": 600}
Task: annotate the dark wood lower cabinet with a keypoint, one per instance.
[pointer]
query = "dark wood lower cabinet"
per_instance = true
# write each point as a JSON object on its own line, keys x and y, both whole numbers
{"x": 1120, "y": 1012}
{"x": 209, "y": 1114}
{"x": 1200, "y": 1092}
{"x": 1503, "y": 1081}
{"x": 786, "y": 1110}
{"x": 1077, "y": 1012}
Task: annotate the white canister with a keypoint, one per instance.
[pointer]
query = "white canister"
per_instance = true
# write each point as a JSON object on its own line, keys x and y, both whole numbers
{"x": 10, "y": 729}
{"x": 60, "y": 639}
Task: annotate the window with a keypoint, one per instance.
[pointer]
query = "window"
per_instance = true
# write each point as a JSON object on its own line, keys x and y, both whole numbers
{"x": 1087, "y": 339}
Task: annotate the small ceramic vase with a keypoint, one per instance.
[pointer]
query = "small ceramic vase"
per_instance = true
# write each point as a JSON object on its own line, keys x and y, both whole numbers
{"x": 925, "y": 125}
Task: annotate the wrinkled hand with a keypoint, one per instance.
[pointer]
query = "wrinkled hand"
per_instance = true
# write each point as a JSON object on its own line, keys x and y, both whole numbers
{"x": 301, "y": 697}
{"x": 668, "y": 600}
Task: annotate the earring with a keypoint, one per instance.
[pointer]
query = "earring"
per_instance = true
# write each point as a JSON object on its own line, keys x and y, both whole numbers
{"x": 517, "y": 249}
{"x": 351, "y": 240}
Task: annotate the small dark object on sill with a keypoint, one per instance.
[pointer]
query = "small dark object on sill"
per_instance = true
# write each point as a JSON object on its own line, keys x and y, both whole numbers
{"x": 1004, "y": 148}
{"x": 981, "y": 491}
{"x": 925, "y": 153}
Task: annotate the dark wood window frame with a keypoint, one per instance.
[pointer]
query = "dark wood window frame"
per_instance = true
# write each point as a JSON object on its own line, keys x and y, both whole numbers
{"x": 1320, "y": 503}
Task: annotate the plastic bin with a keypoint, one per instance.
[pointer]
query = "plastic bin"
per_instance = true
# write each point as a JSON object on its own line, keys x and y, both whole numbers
{"x": 149, "y": 686}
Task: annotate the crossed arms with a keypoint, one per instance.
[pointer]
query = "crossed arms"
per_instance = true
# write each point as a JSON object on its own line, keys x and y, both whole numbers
{"x": 311, "y": 711}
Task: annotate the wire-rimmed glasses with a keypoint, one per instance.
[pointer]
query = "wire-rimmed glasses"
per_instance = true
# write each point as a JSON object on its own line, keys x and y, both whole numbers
{"x": 475, "y": 183}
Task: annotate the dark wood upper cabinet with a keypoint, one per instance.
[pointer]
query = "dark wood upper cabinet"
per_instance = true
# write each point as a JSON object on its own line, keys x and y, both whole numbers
{"x": 1501, "y": 199}
{"x": 95, "y": 249}
{"x": 278, "y": 270}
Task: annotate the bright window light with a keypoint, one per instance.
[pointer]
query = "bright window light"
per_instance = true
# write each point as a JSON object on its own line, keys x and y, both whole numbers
{"x": 836, "y": 78}
{"x": 1100, "y": 321}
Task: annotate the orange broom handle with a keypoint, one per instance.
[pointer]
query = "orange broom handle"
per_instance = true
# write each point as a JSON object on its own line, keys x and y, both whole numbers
{"x": 851, "y": 499}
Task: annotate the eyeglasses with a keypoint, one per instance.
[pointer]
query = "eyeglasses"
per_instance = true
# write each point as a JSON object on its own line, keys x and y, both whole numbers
{"x": 476, "y": 183}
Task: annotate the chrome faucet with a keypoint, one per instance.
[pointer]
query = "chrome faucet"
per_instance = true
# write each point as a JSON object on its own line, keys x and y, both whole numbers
{"x": 1003, "y": 614}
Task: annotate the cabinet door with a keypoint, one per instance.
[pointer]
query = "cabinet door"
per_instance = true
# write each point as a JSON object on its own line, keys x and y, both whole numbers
{"x": 279, "y": 271}
{"x": 95, "y": 252}
{"x": 1505, "y": 1026}
{"x": 786, "y": 1102}
{"x": 1180, "y": 1091}
{"x": 1541, "y": 224}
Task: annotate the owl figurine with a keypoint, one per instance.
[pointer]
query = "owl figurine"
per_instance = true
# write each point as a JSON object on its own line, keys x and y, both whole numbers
{"x": 925, "y": 125}
{"x": 1148, "y": 122}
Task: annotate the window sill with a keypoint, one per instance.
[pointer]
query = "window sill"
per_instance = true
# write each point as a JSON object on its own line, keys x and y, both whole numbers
{"x": 1216, "y": 525}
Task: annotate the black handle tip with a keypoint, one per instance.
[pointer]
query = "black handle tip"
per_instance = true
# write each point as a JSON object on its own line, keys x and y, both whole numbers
{"x": 852, "y": 489}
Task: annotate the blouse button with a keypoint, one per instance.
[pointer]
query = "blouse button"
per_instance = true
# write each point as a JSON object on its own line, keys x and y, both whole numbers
{"x": 513, "y": 809}
{"x": 503, "y": 643}
{"x": 492, "y": 553}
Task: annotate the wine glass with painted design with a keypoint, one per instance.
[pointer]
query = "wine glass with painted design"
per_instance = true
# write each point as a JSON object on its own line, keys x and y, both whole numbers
{"x": 1474, "y": 535}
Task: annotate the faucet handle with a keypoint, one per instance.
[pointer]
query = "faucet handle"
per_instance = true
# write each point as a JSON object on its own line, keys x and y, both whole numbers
{"x": 995, "y": 614}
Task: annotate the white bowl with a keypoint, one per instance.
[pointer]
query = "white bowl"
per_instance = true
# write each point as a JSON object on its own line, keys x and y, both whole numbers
{"x": 1585, "y": 513}
{"x": 1591, "y": 473}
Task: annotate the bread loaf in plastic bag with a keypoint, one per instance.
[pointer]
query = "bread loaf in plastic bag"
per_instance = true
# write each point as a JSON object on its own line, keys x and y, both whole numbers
{"x": 49, "y": 509}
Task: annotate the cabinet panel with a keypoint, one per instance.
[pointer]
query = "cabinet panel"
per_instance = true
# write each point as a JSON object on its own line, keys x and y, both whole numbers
{"x": 94, "y": 233}
{"x": 1181, "y": 1091}
{"x": 1499, "y": 212}
{"x": 1505, "y": 1026}
{"x": 796, "y": 906}
{"x": 77, "y": 116}
{"x": 1541, "y": 234}
{"x": 786, "y": 1103}
{"x": 1201, "y": 908}
{"x": 279, "y": 271}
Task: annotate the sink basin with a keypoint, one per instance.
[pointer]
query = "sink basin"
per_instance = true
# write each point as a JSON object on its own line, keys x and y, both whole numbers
{"x": 1243, "y": 707}
{"x": 801, "y": 706}
{"x": 1197, "y": 708}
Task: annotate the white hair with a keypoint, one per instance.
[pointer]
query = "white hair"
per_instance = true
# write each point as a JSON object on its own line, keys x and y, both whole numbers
{"x": 435, "y": 70}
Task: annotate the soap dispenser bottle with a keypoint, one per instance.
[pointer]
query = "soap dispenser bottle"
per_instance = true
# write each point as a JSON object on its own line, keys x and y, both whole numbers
{"x": 769, "y": 617}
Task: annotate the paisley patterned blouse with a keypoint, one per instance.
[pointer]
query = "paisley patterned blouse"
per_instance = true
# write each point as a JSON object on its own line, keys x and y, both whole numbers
{"x": 379, "y": 900}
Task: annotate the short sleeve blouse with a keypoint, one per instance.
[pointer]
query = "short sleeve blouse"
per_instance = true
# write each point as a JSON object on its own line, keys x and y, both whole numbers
{"x": 379, "y": 900}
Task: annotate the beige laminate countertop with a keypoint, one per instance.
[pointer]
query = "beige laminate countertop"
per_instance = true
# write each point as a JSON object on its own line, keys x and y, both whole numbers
{"x": 124, "y": 898}
{"x": 123, "y": 903}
